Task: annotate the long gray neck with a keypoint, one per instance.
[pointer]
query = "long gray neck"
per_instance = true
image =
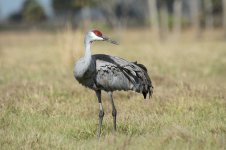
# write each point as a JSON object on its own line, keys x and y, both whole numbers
{"x": 87, "y": 57}
{"x": 83, "y": 65}
{"x": 86, "y": 60}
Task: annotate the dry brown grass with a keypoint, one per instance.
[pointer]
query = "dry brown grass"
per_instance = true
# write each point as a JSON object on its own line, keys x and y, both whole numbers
{"x": 43, "y": 107}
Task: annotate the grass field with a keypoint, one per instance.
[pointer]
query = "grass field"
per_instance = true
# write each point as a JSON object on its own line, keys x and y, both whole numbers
{"x": 43, "y": 107}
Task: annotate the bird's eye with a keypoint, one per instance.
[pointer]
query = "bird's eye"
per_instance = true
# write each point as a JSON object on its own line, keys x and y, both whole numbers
{"x": 97, "y": 33}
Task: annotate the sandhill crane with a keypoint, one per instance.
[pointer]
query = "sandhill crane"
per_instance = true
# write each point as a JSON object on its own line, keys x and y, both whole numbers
{"x": 109, "y": 73}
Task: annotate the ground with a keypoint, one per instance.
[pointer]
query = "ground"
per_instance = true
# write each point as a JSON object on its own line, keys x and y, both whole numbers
{"x": 43, "y": 107}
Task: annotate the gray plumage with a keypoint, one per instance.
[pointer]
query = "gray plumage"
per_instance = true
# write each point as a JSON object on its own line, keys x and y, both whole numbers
{"x": 110, "y": 73}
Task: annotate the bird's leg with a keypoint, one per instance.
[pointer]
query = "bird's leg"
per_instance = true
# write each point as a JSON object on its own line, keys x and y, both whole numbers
{"x": 101, "y": 112}
{"x": 114, "y": 111}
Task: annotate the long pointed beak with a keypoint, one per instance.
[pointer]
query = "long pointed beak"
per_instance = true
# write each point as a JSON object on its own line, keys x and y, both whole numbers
{"x": 109, "y": 40}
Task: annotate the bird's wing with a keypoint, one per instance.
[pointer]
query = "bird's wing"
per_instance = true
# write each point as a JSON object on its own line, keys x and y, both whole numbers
{"x": 114, "y": 73}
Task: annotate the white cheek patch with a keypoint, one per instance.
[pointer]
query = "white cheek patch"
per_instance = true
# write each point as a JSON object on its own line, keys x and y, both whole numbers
{"x": 94, "y": 37}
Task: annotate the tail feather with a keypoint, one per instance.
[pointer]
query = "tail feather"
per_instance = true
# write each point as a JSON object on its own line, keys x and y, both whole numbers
{"x": 149, "y": 91}
{"x": 141, "y": 66}
{"x": 144, "y": 94}
{"x": 147, "y": 86}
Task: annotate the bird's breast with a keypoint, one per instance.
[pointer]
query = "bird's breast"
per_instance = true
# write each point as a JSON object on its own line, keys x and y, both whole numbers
{"x": 85, "y": 76}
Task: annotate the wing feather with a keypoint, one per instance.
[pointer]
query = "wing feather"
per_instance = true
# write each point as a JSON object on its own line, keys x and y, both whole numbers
{"x": 114, "y": 73}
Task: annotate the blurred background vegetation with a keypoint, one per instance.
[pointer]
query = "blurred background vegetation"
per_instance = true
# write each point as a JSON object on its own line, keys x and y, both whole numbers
{"x": 181, "y": 42}
{"x": 162, "y": 16}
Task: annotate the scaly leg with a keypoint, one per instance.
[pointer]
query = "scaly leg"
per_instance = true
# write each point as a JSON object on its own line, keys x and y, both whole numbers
{"x": 114, "y": 111}
{"x": 101, "y": 112}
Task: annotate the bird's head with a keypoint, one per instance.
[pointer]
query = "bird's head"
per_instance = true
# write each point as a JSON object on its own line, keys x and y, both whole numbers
{"x": 96, "y": 35}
